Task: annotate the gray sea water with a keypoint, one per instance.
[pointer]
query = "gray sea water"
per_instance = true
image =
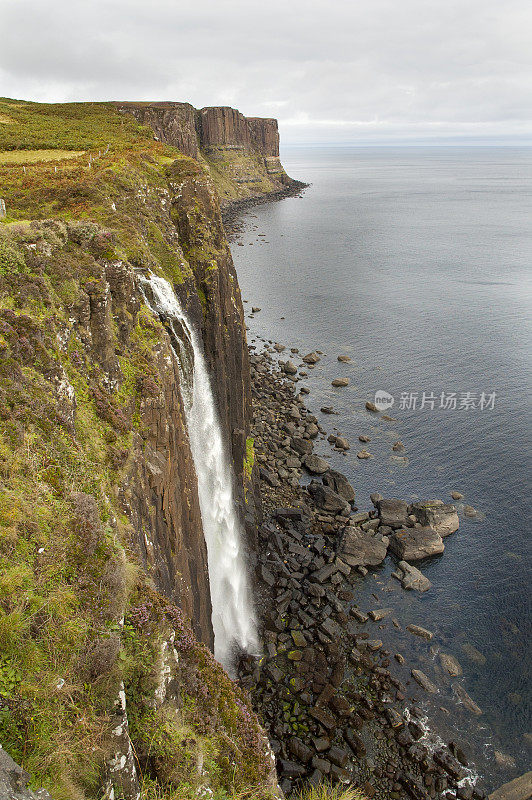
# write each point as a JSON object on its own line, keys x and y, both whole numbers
{"x": 416, "y": 262}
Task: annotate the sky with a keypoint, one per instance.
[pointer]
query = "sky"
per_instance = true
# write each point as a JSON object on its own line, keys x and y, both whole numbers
{"x": 361, "y": 71}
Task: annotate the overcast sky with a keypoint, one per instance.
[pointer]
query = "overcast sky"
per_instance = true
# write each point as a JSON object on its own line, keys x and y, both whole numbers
{"x": 343, "y": 70}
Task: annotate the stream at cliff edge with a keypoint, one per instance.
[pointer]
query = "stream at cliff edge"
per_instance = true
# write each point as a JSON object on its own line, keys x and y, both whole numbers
{"x": 415, "y": 262}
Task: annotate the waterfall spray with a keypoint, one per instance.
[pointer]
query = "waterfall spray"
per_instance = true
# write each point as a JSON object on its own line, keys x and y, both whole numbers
{"x": 233, "y": 618}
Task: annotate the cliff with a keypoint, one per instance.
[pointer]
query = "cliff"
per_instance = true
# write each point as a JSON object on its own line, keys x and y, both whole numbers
{"x": 242, "y": 153}
{"x": 106, "y": 674}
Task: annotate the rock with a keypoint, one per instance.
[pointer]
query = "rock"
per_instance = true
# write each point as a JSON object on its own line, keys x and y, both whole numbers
{"x": 504, "y": 760}
{"x": 311, "y": 358}
{"x": 321, "y": 743}
{"x": 412, "y": 578}
{"x": 376, "y": 498}
{"x": 363, "y": 454}
{"x": 360, "y": 548}
{"x": 423, "y": 681}
{"x": 312, "y": 430}
{"x": 445, "y": 760}
{"x": 398, "y": 446}
{"x": 469, "y": 511}
{"x": 316, "y": 465}
{"x": 371, "y": 406}
{"x": 473, "y": 654}
{"x": 292, "y": 770}
{"x": 323, "y": 717}
{"x": 457, "y": 495}
{"x": 355, "y": 743}
{"x": 417, "y": 630}
{"x": 341, "y": 443}
{"x": 380, "y": 613}
{"x": 327, "y": 499}
{"x": 414, "y": 544}
{"x": 255, "y": 309}
{"x": 301, "y": 446}
{"x": 289, "y": 368}
{"x": 466, "y": 699}
{"x": 518, "y": 789}
{"x": 450, "y": 665}
{"x": 392, "y": 512}
{"x": 300, "y": 750}
{"x": 358, "y": 615}
{"x": 279, "y": 347}
{"x": 338, "y": 382}
{"x": 14, "y": 781}
{"x": 269, "y": 477}
{"x": 327, "y": 410}
{"x": 298, "y": 638}
{"x": 344, "y": 359}
{"x": 339, "y": 484}
{"x": 338, "y": 756}
{"x": 441, "y": 518}
{"x": 364, "y": 439}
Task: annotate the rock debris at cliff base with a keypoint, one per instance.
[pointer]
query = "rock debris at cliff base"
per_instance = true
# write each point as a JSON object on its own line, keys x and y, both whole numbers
{"x": 324, "y": 686}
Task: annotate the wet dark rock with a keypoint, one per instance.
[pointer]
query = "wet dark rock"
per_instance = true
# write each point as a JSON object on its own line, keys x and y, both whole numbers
{"x": 300, "y": 750}
{"x": 412, "y": 578}
{"x": 291, "y": 770}
{"x": 269, "y": 477}
{"x": 316, "y": 465}
{"x": 327, "y": 499}
{"x": 340, "y": 382}
{"x": 415, "y": 544}
{"x": 338, "y": 483}
{"x": 417, "y": 630}
{"x": 393, "y": 512}
{"x": 355, "y": 742}
{"x": 434, "y": 514}
{"x": 444, "y": 759}
{"x": 423, "y": 681}
{"x": 289, "y": 368}
{"x": 361, "y": 548}
{"x": 301, "y": 446}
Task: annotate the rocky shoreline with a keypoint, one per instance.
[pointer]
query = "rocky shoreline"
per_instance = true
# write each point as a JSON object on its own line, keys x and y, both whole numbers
{"x": 233, "y": 209}
{"x": 323, "y": 686}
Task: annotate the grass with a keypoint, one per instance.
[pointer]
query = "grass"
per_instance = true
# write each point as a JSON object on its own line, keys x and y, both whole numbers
{"x": 34, "y": 156}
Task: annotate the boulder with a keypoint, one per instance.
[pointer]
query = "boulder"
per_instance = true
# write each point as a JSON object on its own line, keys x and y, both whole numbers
{"x": 301, "y": 446}
{"x": 289, "y": 368}
{"x": 360, "y": 548}
{"x": 466, "y": 699}
{"x": 393, "y": 512}
{"x": 450, "y": 665}
{"x": 412, "y": 578}
{"x": 341, "y": 443}
{"x": 436, "y": 515}
{"x": 363, "y": 454}
{"x": 414, "y": 544}
{"x": 316, "y": 465}
{"x": 311, "y": 358}
{"x": 417, "y": 630}
{"x": 338, "y": 382}
{"x": 339, "y": 484}
{"x": 327, "y": 499}
{"x": 423, "y": 681}
{"x": 344, "y": 359}
{"x": 371, "y": 406}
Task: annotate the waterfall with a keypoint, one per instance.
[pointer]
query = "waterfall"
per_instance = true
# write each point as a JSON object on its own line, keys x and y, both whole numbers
{"x": 233, "y": 618}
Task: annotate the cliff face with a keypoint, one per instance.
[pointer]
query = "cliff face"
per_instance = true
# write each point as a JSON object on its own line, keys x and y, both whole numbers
{"x": 103, "y": 558}
{"x": 241, "y": 152}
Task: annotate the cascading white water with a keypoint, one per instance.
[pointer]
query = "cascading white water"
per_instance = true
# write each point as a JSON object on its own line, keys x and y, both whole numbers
{"x": 233, "y": 618}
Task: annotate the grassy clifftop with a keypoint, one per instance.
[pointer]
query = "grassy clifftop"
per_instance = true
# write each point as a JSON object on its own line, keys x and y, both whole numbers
{"x": 91, "y": 197}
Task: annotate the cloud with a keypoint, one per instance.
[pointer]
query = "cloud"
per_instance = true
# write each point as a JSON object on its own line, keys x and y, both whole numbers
{"x": 344, "y": 69}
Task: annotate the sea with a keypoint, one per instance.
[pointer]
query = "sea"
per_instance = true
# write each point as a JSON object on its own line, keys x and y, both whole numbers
{"x": 416, "y": 263}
